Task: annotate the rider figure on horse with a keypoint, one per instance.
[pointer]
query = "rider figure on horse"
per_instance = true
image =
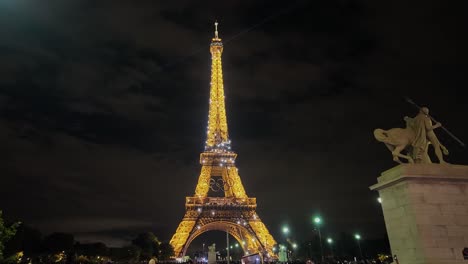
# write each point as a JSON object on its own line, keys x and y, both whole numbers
{"x": 424, "y": 135}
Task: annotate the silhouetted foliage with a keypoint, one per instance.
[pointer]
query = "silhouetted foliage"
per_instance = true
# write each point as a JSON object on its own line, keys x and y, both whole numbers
{"x": 57, "y": 242}
{"x": 26, "y": 239}
{"x": 129, "y": 253}
{"x": 6, "y": 233}
{"x": 92, "y": 249}
{"x": 148, "y": 244}
{"x": 165, "y": 251}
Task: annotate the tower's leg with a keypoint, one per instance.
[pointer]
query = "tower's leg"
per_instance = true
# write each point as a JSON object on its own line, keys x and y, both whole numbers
{"x": 262, "y": 234}
{"x": 179, "y": 239}
{"x": 228, "y": 183}
{"x": 236, "y": 188}
{"x": 203, "y": 182}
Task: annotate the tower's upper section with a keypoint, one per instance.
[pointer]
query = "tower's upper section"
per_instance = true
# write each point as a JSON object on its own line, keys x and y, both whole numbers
{"x": 217, "y": 133}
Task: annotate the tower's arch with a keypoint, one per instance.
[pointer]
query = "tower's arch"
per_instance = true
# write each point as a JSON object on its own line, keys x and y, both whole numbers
{"x": 244, "y": 237}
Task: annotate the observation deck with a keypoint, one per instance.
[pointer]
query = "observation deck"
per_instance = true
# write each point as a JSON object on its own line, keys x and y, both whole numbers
{"x": 220, "y": 202}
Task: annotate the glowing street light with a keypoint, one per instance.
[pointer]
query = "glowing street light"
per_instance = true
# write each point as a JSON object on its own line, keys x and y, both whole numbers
{"x": 330, "y": 243}
{"x": 358, "y": 239}
{"x": 294, "y": 245}
{"x": 379, "y": 200}
{"x": 285, "y": 230}
{"x": 318, "y": 222}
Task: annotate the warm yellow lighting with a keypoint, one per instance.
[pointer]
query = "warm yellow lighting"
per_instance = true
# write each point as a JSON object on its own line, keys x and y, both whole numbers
{"x": 217, "y": 122}
{"x": 218, "y": 159}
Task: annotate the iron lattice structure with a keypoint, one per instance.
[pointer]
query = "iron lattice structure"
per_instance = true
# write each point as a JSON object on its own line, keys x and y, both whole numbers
{"x": 234, "y": 212}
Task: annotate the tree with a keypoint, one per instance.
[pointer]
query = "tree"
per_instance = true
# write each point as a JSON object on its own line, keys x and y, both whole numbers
{"x": 129, "y": 253}
{"x": 57, "y": 242}
{"x": 6, "y": 232}
{"x": 27, "y": 239}
{"x": 149, "y": 245}
{"x": 165, "y": 251}
{"x": 92, "y": 250}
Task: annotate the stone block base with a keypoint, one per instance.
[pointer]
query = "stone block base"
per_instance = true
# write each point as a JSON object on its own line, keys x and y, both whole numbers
{"x": 425, "y": 207}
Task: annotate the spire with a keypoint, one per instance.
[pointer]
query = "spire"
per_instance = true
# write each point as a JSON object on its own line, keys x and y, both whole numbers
{"x": 216, "y": 38}
{"x": 217, "y": 133}
{"x": 216, "y": 30}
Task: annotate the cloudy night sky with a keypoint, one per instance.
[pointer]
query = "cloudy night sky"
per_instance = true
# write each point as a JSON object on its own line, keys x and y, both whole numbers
{"x": 103, "y": 106}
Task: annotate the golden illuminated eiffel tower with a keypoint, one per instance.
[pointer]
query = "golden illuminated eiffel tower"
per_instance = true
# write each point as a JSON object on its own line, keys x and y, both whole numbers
{"x": 233, "y": 212}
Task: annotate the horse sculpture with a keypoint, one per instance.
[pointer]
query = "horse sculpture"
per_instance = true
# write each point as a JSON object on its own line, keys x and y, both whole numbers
{"x": 399, "y": 139}
{"x": 396, "y": 140}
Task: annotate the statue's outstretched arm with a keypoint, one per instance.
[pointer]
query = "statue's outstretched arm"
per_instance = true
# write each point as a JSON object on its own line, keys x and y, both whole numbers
{"x": 431, "y": 127}
{"x": 437, "y": 125}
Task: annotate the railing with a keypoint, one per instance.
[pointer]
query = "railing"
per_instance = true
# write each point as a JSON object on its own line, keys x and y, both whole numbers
{"x": 218, "y": 159}
{"x": 220, "y": 201}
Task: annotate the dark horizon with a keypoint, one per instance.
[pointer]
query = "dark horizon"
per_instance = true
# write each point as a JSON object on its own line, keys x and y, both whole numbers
{"x": 103, "y": 107}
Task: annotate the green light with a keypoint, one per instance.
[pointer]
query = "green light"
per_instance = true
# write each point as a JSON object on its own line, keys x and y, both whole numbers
{"x": 329, "y": 240}
{"x": 285, "y": 230}
{"x": 317, "y": 220}
{"x": 237, "y": 245}
{"x": 357, "y": 236}
{"x": 294, "y": 245}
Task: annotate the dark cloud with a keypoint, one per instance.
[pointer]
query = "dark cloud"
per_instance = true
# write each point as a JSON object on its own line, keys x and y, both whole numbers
{"x": 103, "y": 106}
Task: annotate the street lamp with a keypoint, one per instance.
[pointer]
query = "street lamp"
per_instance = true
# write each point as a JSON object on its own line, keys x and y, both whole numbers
{"x": 285, "y": 232}
{"x": 318, "y": 221}
{"x": 203, "y": 250}
{"x": 330, "y": 243}
{"x": 379, "y": 200}
{"x": 358, "y": 239}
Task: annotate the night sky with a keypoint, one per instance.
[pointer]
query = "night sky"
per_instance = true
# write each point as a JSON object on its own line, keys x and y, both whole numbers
{"x": 103, "y": 106}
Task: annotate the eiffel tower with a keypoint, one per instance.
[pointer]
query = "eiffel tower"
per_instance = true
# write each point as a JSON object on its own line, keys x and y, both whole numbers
{"x": 232, "y": 211}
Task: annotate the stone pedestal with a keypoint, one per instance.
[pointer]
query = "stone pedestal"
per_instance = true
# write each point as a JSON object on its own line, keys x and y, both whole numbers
{"x": 212, "y": 254}
{"x": 425, "y": 207}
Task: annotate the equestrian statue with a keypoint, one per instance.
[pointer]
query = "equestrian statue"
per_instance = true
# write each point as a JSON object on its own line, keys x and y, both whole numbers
{"x": 415, "y": 139}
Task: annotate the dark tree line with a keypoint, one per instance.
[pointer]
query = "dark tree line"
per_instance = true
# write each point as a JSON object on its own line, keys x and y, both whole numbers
{"x": 20, "y": 243}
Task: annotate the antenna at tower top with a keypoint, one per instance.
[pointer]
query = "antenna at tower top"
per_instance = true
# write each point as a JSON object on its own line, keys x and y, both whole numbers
{"x": 216, "y": 29}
